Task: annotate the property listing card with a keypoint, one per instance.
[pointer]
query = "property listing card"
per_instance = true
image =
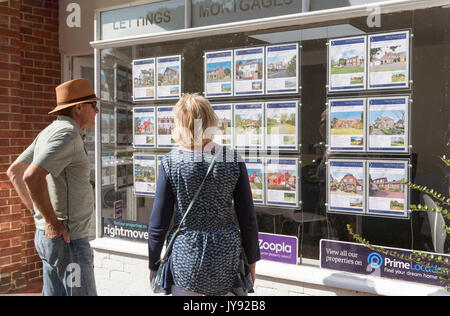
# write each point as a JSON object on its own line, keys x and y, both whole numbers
{"x": 219, "y": 74}
{"x": 281, "y": 125}
{"x": 346, "y": 124}
{"x": 107, "y": 125}
{"x": 347, "y": 59}
{"x": 346, "y": 182}
{"x": 248, "y": 126}
{"x": 389, "y": 60}
{"x": 388, "y": 195}
{"x": 166, "y": 123}
{"x": 282, "y": 75}
{"x": 224, "y": 133}
{"x": 108, "y": 168}
{"x": 389, "y": 124}
{"x": 255, "y": 170}
{"x": 282, "y": 182}
{"x": 169, "y": 77}
{"x": 144, "y": 174}
{"x": 144, "y": 127}
{"x": 124, "y": 128}
{"x": 249, "y": 71}
{"x": 144, "y": 79}
{"x": 123, "y": 84}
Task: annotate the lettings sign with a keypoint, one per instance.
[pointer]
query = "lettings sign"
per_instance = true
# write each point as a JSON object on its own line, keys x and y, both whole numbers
{"x": 144, "y": 19}
{"x": 169, "y": 15}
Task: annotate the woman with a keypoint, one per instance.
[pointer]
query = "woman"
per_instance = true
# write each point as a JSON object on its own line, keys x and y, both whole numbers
{"x": 205, "y": 258}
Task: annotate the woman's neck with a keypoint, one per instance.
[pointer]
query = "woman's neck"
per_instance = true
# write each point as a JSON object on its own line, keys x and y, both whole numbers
{"x": 207, "y": 145}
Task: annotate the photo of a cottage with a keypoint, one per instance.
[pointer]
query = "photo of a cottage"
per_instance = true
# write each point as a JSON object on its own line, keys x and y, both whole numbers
{"x": 388, "y": 122}
{"x": 218, "y": 72}
{"x": 168, "y": 76}
{"x": 144, "y": 78}
{"x": 249, "y": 69}
{"x": 248, "y": 123}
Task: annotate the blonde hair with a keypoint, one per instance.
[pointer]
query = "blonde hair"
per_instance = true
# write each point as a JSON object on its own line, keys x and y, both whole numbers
{"x": 195, "y": 121}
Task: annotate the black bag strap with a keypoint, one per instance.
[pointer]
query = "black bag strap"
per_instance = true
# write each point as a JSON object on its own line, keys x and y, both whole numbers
{"x": 172, "y": 240}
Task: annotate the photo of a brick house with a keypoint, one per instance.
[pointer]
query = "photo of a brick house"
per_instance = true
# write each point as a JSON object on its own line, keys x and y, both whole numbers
{"x": 215, "y": 74}
{"x": 350, "y": 184}
{"x": 387, "y": 188}
{"x": 347, "y": 123}
{"x": 346, "y": 183}
{"x": 281, "y": 181}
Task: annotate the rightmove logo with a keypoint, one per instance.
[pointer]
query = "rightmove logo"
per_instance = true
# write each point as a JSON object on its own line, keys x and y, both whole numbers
{"x": 375, "y": 260}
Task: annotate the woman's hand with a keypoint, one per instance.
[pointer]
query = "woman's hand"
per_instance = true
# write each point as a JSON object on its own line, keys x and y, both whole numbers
{"x": 151, "y": 277}
{"x": 253, "y": 271}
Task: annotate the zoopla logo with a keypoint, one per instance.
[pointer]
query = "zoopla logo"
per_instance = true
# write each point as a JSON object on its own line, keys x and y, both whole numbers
{"x": 375, "y": 260}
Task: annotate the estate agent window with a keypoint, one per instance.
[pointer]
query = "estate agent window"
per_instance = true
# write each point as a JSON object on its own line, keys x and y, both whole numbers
{"x": 350, "y": 110}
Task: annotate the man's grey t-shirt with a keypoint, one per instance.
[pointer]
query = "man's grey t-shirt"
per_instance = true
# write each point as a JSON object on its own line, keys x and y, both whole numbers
{"x": 59, "y": 149}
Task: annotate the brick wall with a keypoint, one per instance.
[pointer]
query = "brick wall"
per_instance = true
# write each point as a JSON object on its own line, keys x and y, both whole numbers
{"x": 30, "y": 69}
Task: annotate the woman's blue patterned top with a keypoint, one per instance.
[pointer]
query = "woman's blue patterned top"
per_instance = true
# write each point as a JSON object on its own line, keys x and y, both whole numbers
{"x": 205, "y": 255}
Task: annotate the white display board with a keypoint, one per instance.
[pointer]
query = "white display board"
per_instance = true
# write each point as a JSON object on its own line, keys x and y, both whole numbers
{"x": 346, "y": 186}
{"x": 388, "y": 195}
{"x": 282, "y": 182}
{"x": 144, "y": 82}
{"x": 347, "y": 64}
{"x": 281, "y": 125}
{"x": 249, "y": 126}
{"x": 249, "y": 71}
{"x": 347, "y": 125}
{"x": 218, "y": 74}
{"x": 388, "y": 119}
{"x": 390, "y": 57}
{"x": 144, "y": 167}
{"x": 169, "y": 77}
{"x": 144, "y": 127}
{"x": 282, "y": 69}
{"x": 224, "y": 132}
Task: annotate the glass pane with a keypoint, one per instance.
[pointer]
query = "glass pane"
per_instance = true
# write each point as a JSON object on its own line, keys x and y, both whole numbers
{"x": 429, "y": 124}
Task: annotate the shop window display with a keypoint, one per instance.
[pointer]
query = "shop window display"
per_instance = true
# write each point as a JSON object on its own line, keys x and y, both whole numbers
{"x": 414, "y": 132}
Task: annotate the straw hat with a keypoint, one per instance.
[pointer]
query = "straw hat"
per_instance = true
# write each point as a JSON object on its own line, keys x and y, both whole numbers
{"x": 74, "y": 92}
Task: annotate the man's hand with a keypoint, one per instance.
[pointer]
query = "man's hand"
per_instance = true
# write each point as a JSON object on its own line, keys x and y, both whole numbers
{"x": 55, "y": 230}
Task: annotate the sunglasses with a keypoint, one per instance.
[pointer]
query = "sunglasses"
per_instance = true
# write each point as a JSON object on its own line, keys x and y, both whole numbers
{"x": 93, "y": 104}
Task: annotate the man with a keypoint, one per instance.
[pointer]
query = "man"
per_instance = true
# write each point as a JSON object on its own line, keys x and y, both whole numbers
{"x": 52, "y": 178}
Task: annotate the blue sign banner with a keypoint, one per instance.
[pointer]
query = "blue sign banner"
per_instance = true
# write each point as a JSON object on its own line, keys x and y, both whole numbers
{"x": 392, "y": 263}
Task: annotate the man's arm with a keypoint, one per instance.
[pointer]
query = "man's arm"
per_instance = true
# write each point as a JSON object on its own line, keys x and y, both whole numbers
{"x": 15, "y": 174}
{"x": 35, "y": 180}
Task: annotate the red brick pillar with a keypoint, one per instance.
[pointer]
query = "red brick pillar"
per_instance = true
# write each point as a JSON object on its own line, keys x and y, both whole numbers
{"x": 30, "y": 70}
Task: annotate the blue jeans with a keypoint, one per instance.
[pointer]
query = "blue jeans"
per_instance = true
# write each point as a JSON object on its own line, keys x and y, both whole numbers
{"x": 68, "y": 268}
